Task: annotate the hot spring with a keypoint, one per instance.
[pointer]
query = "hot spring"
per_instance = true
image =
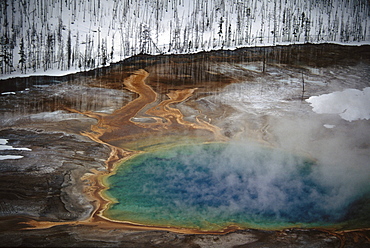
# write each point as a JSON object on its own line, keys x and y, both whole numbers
{"x": 213, "y": 186}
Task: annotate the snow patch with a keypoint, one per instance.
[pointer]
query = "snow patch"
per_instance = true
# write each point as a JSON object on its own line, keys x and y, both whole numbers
{"x": 329, "y": 126}
{"x": 4, "y": 157}
{"x": 4, "y": 147}
{"x": 350, "y": 104}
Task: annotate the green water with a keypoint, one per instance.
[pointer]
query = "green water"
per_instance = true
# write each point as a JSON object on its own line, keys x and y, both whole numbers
{"x": 212, "y": 186}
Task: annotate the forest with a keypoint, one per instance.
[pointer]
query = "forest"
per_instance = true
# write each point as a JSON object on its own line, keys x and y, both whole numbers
{"x": 56, "y": 36}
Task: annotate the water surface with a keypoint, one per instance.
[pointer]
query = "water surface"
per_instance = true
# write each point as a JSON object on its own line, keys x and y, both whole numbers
{"x": 213, "y": 186}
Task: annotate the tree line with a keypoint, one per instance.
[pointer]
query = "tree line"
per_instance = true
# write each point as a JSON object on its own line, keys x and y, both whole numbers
{"x": 44, "y": 35}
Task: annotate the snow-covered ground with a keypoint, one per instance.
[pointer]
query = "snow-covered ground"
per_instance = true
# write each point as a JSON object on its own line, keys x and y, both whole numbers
{"x": 350, "y": 104}
{"x": 60, "y": 37}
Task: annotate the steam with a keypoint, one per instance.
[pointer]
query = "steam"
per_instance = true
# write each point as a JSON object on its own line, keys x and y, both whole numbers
{"x": 342, "y": 154}
{"x": 331, "y": 129}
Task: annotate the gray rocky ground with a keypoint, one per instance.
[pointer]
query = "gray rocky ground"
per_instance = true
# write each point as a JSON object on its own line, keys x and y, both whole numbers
{"x": 46, "y": 184}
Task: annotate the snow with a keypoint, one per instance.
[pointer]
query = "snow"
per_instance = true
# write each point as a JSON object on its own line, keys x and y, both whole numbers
{"x": 4, "y": 157}
{"x": 4, "y": 147}
{"x": 54, "y": 72}
{"x": 329, "y": 126}
{"x": 8, "y": 93}
{"x": 350, "y": 104}
{"x": 66, "y": 37}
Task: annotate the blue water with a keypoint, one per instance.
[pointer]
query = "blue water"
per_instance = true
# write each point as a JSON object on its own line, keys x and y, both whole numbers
{"x": 212, "y": 186}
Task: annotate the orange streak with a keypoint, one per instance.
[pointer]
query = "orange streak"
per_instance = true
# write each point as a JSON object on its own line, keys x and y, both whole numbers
{"x": 120, "y": 126}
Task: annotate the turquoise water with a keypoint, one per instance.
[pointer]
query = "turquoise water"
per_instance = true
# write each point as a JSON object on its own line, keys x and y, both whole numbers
{"x": 212, "y": 186}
